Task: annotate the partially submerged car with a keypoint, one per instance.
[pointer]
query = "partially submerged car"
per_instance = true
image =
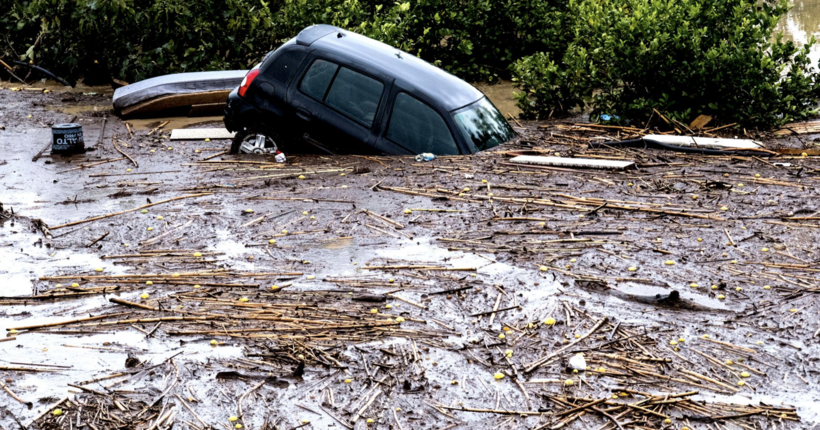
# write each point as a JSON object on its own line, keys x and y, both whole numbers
{"x": 342, "y": 92}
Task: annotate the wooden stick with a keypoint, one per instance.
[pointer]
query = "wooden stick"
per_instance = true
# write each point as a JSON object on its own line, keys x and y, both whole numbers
{"x": 114, "y": 141}
{"x": 534, "y": 365}
{"x": 130, "y": 210}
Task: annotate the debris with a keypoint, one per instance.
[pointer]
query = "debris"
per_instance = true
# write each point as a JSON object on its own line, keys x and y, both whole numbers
{"x": 573, "y": 162}
{"x": 201, "y": 134}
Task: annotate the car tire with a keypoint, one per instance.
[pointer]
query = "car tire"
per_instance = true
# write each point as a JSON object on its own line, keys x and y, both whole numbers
{"x": 250, "y": 141}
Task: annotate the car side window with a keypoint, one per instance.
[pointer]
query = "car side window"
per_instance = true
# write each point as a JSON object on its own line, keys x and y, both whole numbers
{"x": 318, "y": 78}
{"x": 418, "y": 127}
{"x": 355, "y": 95}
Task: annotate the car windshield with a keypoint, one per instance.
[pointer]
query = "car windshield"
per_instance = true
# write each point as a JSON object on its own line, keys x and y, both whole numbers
{"x": 482, "y": 125}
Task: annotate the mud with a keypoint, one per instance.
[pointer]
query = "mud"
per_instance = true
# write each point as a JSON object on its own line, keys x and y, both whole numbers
{"x": 526, "y": 241}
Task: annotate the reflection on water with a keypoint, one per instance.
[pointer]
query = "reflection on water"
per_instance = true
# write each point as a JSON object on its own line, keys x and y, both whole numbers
{"x": 800, "y": 23}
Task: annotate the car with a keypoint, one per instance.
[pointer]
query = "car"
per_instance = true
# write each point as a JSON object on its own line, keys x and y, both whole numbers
{"x": 334, "y": 91}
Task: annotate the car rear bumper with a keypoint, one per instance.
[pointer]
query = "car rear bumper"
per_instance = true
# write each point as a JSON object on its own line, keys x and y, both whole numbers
{"x": 239, "y": 113}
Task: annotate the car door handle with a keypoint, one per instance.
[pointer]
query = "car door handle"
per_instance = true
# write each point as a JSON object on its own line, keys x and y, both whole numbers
{"x": 303, "y": 114}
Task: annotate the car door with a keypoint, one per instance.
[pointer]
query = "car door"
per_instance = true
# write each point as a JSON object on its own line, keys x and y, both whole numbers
{"x": 336, "y": 106}
{"x": 414, "y": 126}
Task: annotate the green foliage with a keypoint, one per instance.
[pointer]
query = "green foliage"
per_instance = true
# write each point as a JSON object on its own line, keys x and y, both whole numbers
{"x": 136, "y": 39}
{"x": 682, "y": 57}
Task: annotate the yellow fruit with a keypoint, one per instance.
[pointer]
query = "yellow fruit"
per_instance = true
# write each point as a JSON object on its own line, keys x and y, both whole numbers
{"x": 724, "y": 208}
{"x": 483, "y": 181}
{"x": 508, "y": 353}
{"x": 693, "y": 285}
{"x": 150, "y": 228}
{"x": 629, "y": 184}
{"x": 160, "y": 218}
{"x": 175, "y": 275}
{"x": 347, "y": 381}
{"x": 733, "y": 261}
{"x": 144, "y": 296}
{"x": 311, "y": 277}
{"x": 400, "y": 319}
{"x": 312, "y": 217}
{"x": 499, "y": 375}
{"x": 673, "y": 343}
{"x": 284, "y": 232}
{"x": 600, "y": 370}
{"x": 765, "y": 249}
{"x": 170, "y": 148}
{"x": 57, "y": 412}
{"x": 75, "y": 285}
{"x": 792, "y": 310}
{"x": 274, "y": 287}
{"x": 741, "y": 383}
{"x": 149, "y": 282}
{"x": 249, "y": 210}
{"x": 214, "y": 342}
{"x": 99, "y": 269}
{"x": 301, "y": 176}
{"x": 232, "y": 419}
{"x": 388, "y": 306}
{"x": 721, "y": 296}
{"x": 569, "y": 382}
{"x": 543, "y": 268}
{"x": 633, "y": 269}
{"x": 304, "y": 213}
{"x": 714, "y": 287}
{"x": 243, "y": 299}
{"x": 550, "y": 321}
{"x": 694, "y": 197}
{"x": 238, "y": 426}
{"x": 745, "y": 374}
{"x": 13, "y": 331}
{"x": 502, "y": 336}
{"x": 370, "y": 421}
{"x": 197, "y": 254}
{"x": 196, "y": 287}
{"x": 767, "y": 287}
{"x": 374, "y": 311}
{"x": 272, "y": 241}
{"x": 700, "y": 240}
{"x": 408, "y": 211}
{"x": 669, "y": 263}
{"x": 738, "y": 288}
{"x": 572, "y": 260}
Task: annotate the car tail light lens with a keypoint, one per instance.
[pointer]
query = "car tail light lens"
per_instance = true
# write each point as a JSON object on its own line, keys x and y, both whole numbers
{"x": 246, "y": 82}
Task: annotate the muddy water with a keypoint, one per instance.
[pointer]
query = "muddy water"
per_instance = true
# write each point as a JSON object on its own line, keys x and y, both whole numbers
{"x": 803, "y": 21}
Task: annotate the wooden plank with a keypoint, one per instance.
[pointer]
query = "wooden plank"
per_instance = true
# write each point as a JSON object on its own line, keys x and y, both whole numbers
{"x": 201, "y": 134}
{"x": 703, "y": 142}
{"x": 807, "y": 127}
{"x": 588, "y": 163}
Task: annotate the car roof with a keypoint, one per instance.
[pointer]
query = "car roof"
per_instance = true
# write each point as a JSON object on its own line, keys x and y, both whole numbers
{"x": 449, "y": 91}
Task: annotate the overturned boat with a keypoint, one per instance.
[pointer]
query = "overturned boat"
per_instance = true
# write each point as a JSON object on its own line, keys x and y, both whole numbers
{"x": 185, "y": 94}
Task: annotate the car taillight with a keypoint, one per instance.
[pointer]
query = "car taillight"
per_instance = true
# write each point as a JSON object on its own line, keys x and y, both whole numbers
{"x": 246, "y": 82}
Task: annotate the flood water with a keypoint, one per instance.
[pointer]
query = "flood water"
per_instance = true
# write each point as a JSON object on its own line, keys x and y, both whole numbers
{"x": 802, "y": 21}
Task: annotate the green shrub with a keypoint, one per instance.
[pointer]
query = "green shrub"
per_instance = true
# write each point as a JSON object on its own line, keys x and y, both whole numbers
{"x": 682, "y": 57}
{"x": 136, "y": 39}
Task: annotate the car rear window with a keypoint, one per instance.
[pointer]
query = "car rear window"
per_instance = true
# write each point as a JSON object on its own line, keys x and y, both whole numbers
{"x": 283, "y": 66}
{"x": 419, "y": 128}
{"x": 355, "y": 95}
{"x": 318, "y": 78}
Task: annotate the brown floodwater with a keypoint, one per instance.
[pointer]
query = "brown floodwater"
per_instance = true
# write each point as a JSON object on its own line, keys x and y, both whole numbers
{"x": 802, "y": 21}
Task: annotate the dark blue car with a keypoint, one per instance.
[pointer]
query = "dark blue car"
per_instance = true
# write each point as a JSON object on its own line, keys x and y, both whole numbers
{"x": 341, "y": 92}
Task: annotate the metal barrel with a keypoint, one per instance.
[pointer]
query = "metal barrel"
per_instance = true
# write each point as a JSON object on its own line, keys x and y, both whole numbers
{"x": 67, "y": 139}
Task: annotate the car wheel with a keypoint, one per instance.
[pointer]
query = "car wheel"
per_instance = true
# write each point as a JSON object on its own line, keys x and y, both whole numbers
{"x": 253, "y": 142}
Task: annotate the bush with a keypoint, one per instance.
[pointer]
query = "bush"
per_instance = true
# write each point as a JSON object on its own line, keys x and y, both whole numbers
{"x": 682, "y": 57}
{"x": 137, "y": 39}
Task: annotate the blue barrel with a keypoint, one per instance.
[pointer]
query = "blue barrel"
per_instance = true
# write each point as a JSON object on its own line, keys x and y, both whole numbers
{"x": 67, "y": 139}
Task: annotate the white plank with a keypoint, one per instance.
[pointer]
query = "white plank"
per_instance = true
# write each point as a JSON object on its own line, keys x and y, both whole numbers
{"x": 200, "y": 134}
{"x": 703, "y": 142}
{"x": 589, "y": 163}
